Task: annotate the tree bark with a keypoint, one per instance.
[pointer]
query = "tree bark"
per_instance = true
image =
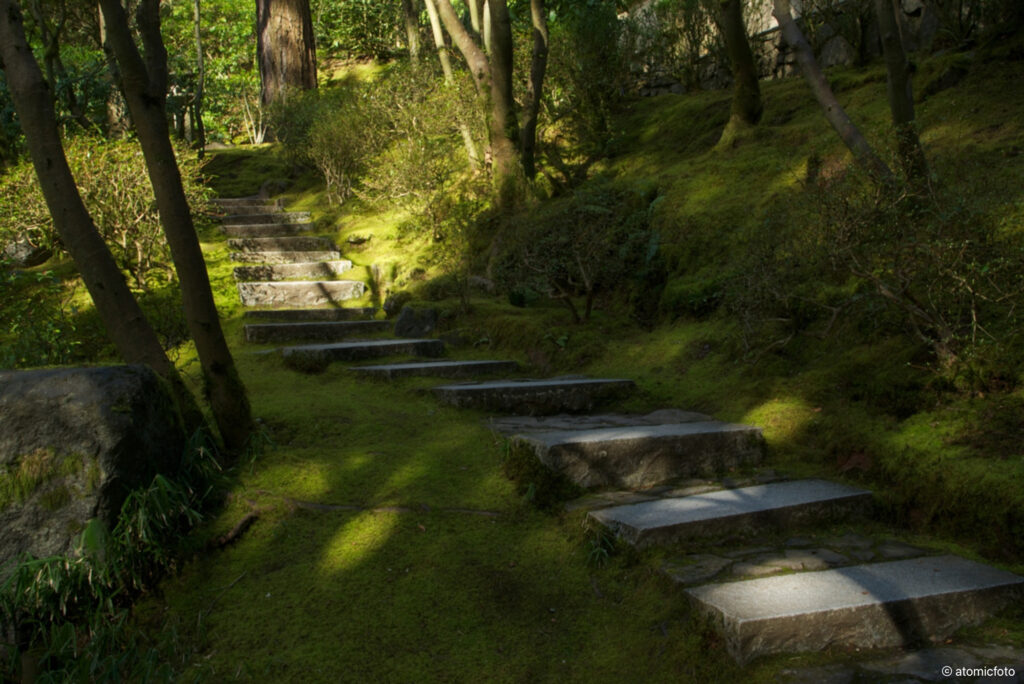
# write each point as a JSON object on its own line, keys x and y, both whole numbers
{"x": 123, "y": 319}
{"x": 901, "y": 95}
{"x": 531, "y": 108}
{"x": 746, "y": 99}
{"x": 285, "y": 47}
{"x": 410, "y": 13}
{"x": 197, "y": 101}
{"x": 449, "y": 78}
{"x": 144, "y": 85}
{"x": 848, "y": 132}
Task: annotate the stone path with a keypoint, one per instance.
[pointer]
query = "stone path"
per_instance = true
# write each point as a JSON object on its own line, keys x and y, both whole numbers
{"x": 757, "y": 554}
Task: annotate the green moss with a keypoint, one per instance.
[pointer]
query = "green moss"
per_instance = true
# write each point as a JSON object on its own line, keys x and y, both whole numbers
{"x": 24, "y": 476}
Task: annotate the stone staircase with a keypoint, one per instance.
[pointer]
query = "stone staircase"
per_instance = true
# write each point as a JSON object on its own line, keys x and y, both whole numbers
{"x": 651, "y": 480}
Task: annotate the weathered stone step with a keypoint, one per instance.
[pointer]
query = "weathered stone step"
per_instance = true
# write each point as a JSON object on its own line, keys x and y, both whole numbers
{"x": 320, "y": 330}
{"x": 446, "y": 369}
{"x": 334, "y": 313}
{"x": 259, "y": 230}
{"x": 250, "y": 209}
{"x": 309, "y": 269}
{"x": 299, "y": 292}
{"x": 363, "y": 349}
{"x": 739, "y": 512}
{"x": 286, "y": 256}
{"x": 295, "y": 243}
{"x": 274, "y": 217}
{"x": 251, "y": 201}
{"x": 535, "y": 397}
{"x": 863, "y": 606}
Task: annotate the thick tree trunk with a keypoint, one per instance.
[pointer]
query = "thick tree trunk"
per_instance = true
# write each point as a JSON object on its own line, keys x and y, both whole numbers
{"x": 285, "y": 48}
{"x": 449, "y": 77}
{"x": 901, "y": 95}
{"x": 851, "y": 136}
{"x": 410, "y": 12}
{"x": 746, "y": 98}
{"x": 144, "y": 85}
{"x": 123, "y": 319}
{"x": 531, "y": 108}
{"x": 199, "y": 141}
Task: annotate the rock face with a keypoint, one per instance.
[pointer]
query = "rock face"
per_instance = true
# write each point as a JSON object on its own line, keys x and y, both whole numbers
{"x": 415, "y": 322}
{"x": 24, "y": 254}
{"x": 73, "y": 443}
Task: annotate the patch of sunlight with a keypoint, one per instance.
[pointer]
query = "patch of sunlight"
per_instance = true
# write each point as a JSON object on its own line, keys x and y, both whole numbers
{"x": 791, "y": 177}
{"x": 781, "y": 418}
{"x": 364, "y": 534}
{"x": 407, "y": 475}
{"x": 308, "y": 483}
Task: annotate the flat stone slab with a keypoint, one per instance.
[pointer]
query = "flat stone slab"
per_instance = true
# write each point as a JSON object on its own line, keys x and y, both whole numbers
{"x": 256, "y": 230}
{"x": 308, "y": 269}
{"x": 275, "y": 217}
{"x": 299, "y": 293}
{"x": 534, "y": 397}
{"x": 318, "y": 330}
{"x": 364, "y": 349}
{"x": 286, "y": 256}
{"x": 733, "y": 512}
{"x": 513, "y": 425}
{"x": 334, "y": 313}
{"x": 641, "y": 456}
{"x": 446, "y": 369}
{"x": 293, "y": 243}
{"x": 251, "y": 201}
{"x": 898, "y": 603}
{"x": 237, "y": 209}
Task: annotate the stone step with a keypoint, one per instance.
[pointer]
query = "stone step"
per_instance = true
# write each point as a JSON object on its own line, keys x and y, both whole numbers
{"x": 274, "y": 217}
{"x": 298, "y": 293}
{"x": 733, "y": 512}
{"x": 535, "y": 397}
{"x": 333, "y": 313}
{"x": 295, "y": 243}
{"x": 640, "y": 456}
{"x": 259, "y": 230}
{"x": 285, "y": 256}
{"x": 309, "y": 269}
{"x": 879, "y": 605}
{"x": 250, "y": 209}
{"x": 320, "y": 330}
{"x": 446, "y": 369}
{"x": 362, "y": 350}
{"x": 251, "y": 201}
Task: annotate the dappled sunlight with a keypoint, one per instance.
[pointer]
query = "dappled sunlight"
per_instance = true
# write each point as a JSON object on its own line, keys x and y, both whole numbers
{"x": 357, "y": 540}
{"x": 781, "y": 419}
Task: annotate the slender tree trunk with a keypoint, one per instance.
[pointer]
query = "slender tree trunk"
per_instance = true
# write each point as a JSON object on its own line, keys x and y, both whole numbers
{"x": 410, "y": 12}
{"x": 123, "y": 319}
{"x": 197, "y": 102}
{"x": 746, "y": 98}
{"x": 285, "y": 47}
{"x": 449, "y": 77}
{"x": 901, "y": 96}
{"x": 531, "y": 108}
{"x": 144, "y": 84}
{"x": 851, "y": 136}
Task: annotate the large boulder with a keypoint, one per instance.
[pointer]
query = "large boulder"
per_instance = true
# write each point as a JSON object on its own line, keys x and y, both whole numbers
{"x": 415, "y": 322}
{"x": 73, "y": 443}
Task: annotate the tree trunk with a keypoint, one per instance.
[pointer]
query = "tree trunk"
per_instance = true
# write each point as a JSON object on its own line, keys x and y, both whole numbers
{"x": 449, "y": 77}
{"x": 901, "y": 96}
{"x": 746, "y": 98}
{"x": 531, "y": 108}
{"x": 197, "y": 100}
{"x": 144, "y": 85}
{"x": 123, "y": 319}
{"x": 851, "y": 136}
{"x": 285, "y": 47}
{"x": 411, "y": 14}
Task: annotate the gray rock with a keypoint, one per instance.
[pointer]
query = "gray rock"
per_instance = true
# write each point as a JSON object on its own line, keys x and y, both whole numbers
{"x": 23, "y": 254}
{"x": 275, "y": 217}
{"x": 317, "y": 354}
{"x": 799, "y": 542}
{"x": 395, "y": 302}
{"x": 264, "y": 230}
{"x": 415, "y": 322}
{"x": 536, "y": 397}
{"x": 850, "y": 541}
{"x": 696, "y": 568}
{"x": 895, "y": 550}
{"x": 285, "y": 243}
{"x": 744, "y": 551}
{"x": 755, "y": 569}
{"x": 286, "y": 256}
{"x": 312, "y": 269}
{"x": 514, "y": 425}
{"x": 440, "y": 369}
{"x": 79, "y": 439}
{"x": 319, "y": 330}
{"x": 333, "y": 313}
{"x": 299, "y": 293}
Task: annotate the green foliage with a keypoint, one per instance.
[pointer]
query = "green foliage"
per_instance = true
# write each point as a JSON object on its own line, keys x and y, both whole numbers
{"x": 357, "y": 28}
{"x": 113, "y": 182}
{"x": 40, "y": 322}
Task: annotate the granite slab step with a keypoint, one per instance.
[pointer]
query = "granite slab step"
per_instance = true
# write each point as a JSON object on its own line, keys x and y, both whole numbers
{"x": 878, "y": 605}
{"x": 273, "y": 217}
{"x": 362, "y": 350}
{"x": 535, "y": 397}
{"x": 308, "y": 269}
{"x": 738, "y": 512}
{"x": 446, "y": 369}
{"x": 285, "y": 256}
{"x": 294, "y": 243}
{"x": 333, "y": 313}
{"x": 318, "y": 330}
{"x": 298, "y": 293}
{"x": 250, "y": 209}
{"x": 641, "y": 456}
{"x": 258, "y": 230}
{"x": 251, "y": 201}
